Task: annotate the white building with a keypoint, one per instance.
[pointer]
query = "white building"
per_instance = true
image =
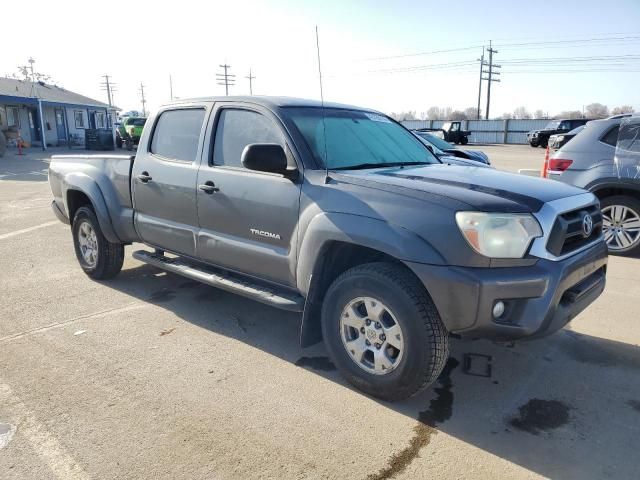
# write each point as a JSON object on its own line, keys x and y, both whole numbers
{"x": 29, "y": 108}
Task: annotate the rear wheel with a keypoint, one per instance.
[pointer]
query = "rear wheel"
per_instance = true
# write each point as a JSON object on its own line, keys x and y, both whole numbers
{"x": 621, "y": 224}
{"x": 464, "y": 140}
{"x": 383, "y": 331}
{"x": 98, "y": 257}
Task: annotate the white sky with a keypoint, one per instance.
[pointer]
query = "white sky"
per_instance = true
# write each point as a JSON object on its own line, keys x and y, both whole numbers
{"x": 75, "y": 42}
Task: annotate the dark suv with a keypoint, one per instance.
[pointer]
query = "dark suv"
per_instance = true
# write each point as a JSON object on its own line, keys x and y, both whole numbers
{"x": 540, "y": 138}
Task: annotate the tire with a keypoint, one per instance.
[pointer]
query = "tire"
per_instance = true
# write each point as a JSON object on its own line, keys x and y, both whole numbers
{"x": 533, "y": 144}
{"x": 110, "y": 256}
{"x": 425, "y": 344}
{"x": 544, "y": 143}
{"x": 613, "y": 218}
{"x": 464, "y": 140}
{"x": 119, "y": 142}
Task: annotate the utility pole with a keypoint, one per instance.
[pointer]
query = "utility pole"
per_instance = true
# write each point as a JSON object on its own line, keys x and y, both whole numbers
{"x": 144, "y": 102}
{"x": 170, "y": 87}
{"x": 480, "y": 83}
{"x": 490, "y": 78}
{"x": 109, "y": 87}
{"x": 225, "y": 78}
{"x": 250, "y": 78}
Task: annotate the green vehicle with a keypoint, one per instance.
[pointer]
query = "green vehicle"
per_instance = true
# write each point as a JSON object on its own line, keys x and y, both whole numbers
{"x": 129, "y": 132}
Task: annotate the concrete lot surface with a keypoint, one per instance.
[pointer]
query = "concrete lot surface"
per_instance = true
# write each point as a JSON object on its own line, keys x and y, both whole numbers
{"x": 150, "y": 375}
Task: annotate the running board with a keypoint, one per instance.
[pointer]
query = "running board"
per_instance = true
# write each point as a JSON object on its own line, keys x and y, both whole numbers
{"x": 231, "y": 283}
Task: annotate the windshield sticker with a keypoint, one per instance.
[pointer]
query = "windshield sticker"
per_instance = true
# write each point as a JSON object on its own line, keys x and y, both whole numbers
{"x": 377, "y": 118}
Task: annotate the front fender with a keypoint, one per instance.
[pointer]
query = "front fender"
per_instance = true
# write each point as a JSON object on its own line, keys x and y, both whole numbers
{"x": 373, "y": 233}
{"x": 87, "y": 185}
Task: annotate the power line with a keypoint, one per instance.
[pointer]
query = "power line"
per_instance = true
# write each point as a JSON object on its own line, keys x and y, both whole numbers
{"x": 490, "y": 78}
{"x": 144, "y": 102}
{"x": 225, "y": 78}
{"x": 250, "y": 78}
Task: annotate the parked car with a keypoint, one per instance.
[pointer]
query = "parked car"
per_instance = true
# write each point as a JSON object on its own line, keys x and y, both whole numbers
{"x": 561, "y": 139}
{"x": 449, "y": 149}
{"x": 448, "y": 158}
{"x": 540, "y": 138}
{"x": 450, "y": 132}
{"x": 343, "y": 214}
{"x": 129, "y": 132}
{"x": 589, "y": 162}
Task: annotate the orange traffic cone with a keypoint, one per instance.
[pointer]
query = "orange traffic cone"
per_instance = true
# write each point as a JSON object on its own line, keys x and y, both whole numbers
{"x": 545, "y": 168}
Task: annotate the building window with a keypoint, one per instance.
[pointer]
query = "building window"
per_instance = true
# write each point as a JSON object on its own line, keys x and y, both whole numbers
{"x": 79, "y": 117}
{"x": 13, "y": 119}
{"x": 100, "y": 120}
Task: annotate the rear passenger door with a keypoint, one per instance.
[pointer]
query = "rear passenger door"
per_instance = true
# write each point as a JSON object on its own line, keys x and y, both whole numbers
{"x": 248, "y": 223}
{"x": 164, "y": 178}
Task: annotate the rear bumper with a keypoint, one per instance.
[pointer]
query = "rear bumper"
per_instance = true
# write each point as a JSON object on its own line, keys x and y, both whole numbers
{"x": 59, "y": 213}
{"x": 540, "y": 299}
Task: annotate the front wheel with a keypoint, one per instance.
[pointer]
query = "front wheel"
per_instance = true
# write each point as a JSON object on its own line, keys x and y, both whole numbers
{"x": 98, "y": 257}
{"x": 383, "y": 331}
{"x": 621, "y": 224}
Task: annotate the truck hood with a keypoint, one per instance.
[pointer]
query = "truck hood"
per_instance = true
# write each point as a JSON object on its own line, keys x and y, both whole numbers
{"x": 483, "y": 189}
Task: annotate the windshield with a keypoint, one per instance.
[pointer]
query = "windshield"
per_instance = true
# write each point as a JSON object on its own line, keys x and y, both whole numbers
{"x": 436, "y": 141}
{"x": 355, "y": 138}
{"x": 552, "y": 125}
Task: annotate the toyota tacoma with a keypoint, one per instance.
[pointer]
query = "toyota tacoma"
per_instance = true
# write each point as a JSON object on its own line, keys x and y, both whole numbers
{"x": 342, "y": 214}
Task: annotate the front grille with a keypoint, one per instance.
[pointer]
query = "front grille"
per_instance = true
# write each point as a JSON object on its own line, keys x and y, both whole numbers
{"x": 567, "y": 234}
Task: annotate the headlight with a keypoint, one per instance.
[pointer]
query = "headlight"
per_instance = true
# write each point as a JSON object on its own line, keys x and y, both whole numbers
{"x": 560, "y": 138}
{"x": 498, "y": 235}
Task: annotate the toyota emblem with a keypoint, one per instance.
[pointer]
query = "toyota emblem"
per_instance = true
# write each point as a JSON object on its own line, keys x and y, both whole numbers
{"x": 587, "y": 225}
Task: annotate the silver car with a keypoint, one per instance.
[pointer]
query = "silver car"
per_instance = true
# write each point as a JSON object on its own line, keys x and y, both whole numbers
{"x": 589, "y": 161}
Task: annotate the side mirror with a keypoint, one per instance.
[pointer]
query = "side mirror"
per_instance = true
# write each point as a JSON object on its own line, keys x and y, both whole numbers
{"x": 265, "y": 157}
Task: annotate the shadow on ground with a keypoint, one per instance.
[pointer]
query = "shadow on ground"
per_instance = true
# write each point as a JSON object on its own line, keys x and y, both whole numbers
{"x": 564, "y": 407}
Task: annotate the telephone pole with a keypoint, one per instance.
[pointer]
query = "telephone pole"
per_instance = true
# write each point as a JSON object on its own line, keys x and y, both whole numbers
{"x": 250, "y": 78}
{"x": 170, "y": 87}
{"x": 490, "y": 78}
{"x": 109, "y": 87}
{"x": 144, "y": 102}
{"x": 480, "y": 83}
{"x": 225, "y": 78}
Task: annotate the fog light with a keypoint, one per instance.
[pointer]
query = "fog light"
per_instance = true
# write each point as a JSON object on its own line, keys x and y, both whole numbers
{"x": 498, "y": 309}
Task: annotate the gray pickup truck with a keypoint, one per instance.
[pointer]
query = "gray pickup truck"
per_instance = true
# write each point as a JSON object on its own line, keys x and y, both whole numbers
{"x": 340, "y": 213}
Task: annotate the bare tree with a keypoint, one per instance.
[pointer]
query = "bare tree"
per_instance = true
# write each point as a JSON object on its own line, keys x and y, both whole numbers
{"x": 506, "y": 116}
{"x": 471, "y": 113}
{"x": 401, "y": 116}
{"x": 521, "y": 112}
{"x": 457, "y": 115}
{"x": 539, "y": 114}
{"x": 569, "y": 114}
{"x": 622, "y": 109}
{"x": 434, "y": 113}
{"x": 597, "y": 110}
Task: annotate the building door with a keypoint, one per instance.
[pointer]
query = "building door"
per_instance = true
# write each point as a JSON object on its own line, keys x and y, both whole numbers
{"x": 60, "y": 127}
{"x": 34, "y": 125}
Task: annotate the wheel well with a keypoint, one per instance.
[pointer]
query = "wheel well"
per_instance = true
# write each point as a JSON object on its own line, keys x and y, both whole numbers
{"x": 75, "y": 200}
{"x": 610, "y": 191}
{"x": 334, "y": 259}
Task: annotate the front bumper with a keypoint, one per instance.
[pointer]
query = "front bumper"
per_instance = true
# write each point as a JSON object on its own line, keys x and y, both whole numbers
{"x": 59, "y": 213}
{"x": 540, "y": 299}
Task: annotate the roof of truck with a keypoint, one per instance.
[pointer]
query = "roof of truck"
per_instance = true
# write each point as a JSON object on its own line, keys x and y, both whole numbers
{"x": 272, "y": 102}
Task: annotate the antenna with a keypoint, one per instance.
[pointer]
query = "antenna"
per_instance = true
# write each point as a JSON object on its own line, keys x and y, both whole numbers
{"x": 324, "y": 127}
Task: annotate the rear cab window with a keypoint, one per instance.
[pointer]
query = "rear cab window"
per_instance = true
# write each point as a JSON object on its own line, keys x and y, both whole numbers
{"x": 176, "y": 135}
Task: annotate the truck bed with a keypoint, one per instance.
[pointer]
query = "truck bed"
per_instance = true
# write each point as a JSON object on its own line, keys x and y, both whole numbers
{"x": 106, "y": 176}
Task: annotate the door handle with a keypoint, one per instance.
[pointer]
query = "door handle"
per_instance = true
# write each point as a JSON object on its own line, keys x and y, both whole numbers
{"x": 209, "y": 187}
{"x": 144, "y": 177}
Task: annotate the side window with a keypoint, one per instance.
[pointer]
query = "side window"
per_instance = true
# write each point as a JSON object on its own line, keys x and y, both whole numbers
{"x": 564, "y": 125}
{"x": 177, "y": 134}
{"x": 611, "y": 137}
{"x": 238, "y": 128}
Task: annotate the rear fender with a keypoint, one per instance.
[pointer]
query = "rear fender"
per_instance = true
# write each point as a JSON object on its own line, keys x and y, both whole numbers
{"x": 88, "y": 186}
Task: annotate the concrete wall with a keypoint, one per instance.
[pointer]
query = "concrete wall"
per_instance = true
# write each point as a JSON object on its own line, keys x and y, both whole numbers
{"x": 488, "y": 131}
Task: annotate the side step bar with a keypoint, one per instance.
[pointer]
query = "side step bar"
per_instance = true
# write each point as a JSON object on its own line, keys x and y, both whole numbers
{"x": 225, "y": 281}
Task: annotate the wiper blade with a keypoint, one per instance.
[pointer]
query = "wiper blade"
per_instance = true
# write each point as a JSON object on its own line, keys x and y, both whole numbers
{"x": 362, "y": 166}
